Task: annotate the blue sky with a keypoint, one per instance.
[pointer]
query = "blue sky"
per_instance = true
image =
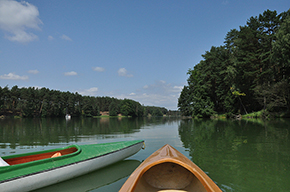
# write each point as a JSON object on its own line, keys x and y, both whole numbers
{"x": 139, "y": 50}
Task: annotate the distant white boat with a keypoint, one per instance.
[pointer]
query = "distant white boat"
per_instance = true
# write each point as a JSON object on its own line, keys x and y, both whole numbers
{"x": 67, "y": 117}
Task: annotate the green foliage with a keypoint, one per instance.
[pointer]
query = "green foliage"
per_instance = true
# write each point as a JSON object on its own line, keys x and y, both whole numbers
{"x": 249, "y": 73}
{"x": 157, "y": 113}
{"x": 33, "y": 102}
{"x": 184, "y": 102}
{"x": 275, "y": 97}
{"x": 258, "y": 114}
{"x": 154, "y": 111}
{"x": 131, "y": 108}
{"x": 281, "y": 50}
{"x": 236, "y": 93}
{"x": 113, "y": 109}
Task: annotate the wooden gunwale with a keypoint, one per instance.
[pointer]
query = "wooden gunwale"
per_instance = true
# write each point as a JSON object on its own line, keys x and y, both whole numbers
{"x": 168, "y": 170}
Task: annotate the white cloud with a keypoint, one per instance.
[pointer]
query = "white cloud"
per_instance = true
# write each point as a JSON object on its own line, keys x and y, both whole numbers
{"x": 153, "y": 99}
{"x": 162, "y": 87}
{"x": 91, "y": 92}
{"x": 50, "y": 38}
{"x": 13, "y": 76}
{"x": 71, "y": 73}
{"x": 123, "y": 72}
{"x": 160, "y": 94}
{"x": 64, "y": 37}
{"x": 22, "y": 36}
{"x": 99, "y": 69}
{"x": 225, "y": 2}
{"x": 178, "y": 88}
{"x": 33, "y": 71}
{"x": 16, "y": 18}
{"x": 36, "y": 87}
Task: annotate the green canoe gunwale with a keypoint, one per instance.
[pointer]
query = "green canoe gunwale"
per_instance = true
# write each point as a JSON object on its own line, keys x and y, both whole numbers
{"x": 41, "y": 161}
{"x": 45, "y": 165}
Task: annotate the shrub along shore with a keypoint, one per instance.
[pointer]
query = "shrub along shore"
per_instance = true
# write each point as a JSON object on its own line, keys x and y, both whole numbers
{"x": 43, "y": 102}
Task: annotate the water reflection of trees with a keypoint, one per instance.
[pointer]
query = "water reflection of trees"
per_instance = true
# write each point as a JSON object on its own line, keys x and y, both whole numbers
{"x": 247, "y": 154}
{"x": 56, "y": 130}
{"x": 96, "y": 179}
{"x": 37, "y": 131}
{"x": 160, "y": 120}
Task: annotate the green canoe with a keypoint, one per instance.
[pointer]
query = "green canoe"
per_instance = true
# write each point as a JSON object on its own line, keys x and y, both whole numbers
{"x": 31, "y": 171}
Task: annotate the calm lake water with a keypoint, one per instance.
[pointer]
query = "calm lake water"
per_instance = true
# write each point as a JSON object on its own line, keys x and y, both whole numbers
{"x": 238, "y": 155}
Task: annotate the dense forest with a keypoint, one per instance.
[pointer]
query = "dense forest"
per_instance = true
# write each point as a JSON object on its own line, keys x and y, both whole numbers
{"x": 33, "y": 102}
{"x": 250, "y": 72}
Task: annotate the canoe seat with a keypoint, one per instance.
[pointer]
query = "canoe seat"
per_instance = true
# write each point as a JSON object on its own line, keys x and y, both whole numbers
{"x": 56, "y": 155}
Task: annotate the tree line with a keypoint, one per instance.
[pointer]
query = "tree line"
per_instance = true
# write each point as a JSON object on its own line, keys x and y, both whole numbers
{"x": 43, "y": 102}
{"x": 250, "y": 72}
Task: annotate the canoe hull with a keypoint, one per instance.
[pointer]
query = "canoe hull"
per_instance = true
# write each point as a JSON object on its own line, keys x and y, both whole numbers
{"x": 48, "y": 177}
{"x": 168, "y": 170}
{"x": 96, "y": 179}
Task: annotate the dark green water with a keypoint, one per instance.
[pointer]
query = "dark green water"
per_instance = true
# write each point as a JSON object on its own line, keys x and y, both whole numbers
{"x": 237, "y": 155}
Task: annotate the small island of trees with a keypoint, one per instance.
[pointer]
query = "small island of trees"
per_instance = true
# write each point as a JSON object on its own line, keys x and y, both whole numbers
{"x": 43, "y": 102}
{"x": 249, "y": 73}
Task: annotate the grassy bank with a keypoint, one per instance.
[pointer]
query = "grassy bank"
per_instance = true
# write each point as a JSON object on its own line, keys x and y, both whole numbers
{"x": 108, "y": 116}
{"x": 264, "y": 114}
